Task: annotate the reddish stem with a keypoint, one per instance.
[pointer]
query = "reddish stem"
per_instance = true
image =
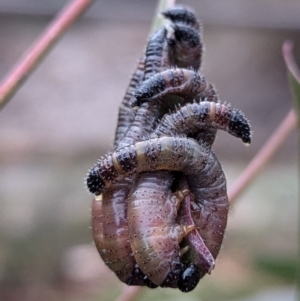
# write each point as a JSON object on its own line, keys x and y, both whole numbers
{"x": 287, "y": 51}
{"x": 40, "y": 47}
{"x": 130, "y": 293}
{"x": 263, "y": 156}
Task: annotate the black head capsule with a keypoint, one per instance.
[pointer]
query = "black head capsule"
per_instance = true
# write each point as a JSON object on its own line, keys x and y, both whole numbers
{"x": 148, "y": 89}
{"x": 181, "y": 14}
{"x": 174, "y": 275}
{"x": 239, "y": 126}
{"x": 189, "y": 278}
{"x": 94, "y": 183}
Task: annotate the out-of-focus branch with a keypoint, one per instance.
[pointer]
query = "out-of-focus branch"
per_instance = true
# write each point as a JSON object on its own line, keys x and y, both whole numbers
{"x": 294, "y": 82}
{"x": 293, "y": 74}
{"x": 40, "y": 48}
{"x": 263, "y": 156}
{"x": 130, "y": 293}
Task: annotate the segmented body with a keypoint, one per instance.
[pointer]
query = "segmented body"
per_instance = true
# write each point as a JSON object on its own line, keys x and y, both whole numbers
{"x": 110, "y": 233}
{"x": 126, "y": 112}
{"x": 204, "y": 174}
{"x": 154, "y": 233}
{"x": 156, "y": 241}
{"x": 111, "y": 211}
{"x": 186, "y": 83}
{"x": 191, "y": 118}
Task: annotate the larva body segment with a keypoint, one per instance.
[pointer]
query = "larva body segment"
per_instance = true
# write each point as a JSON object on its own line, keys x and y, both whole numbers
{"x": 191, "y": 118}
{"x": 157, "y": 54}
{"x": 126, "y": 112}
{"x": 108, "y": 215}
{"x": 154, "y": 234}
{"x": 186, "y": 83}
{"x": 165, "y": 153}
{"x": 210, "y": 207}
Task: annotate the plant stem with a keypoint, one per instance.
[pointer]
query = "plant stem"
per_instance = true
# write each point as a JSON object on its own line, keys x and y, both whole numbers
{"x": 40, "y": 48}
{"x": 263, "y": 156}
{"x": 294, "y": 82}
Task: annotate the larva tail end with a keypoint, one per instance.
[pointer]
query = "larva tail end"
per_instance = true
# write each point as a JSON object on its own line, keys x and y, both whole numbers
{"x": 94, "y": 183}
{"x": 239, "y": 126}
{"x": 189, "y": 278}
{"x": 149, "y": 283}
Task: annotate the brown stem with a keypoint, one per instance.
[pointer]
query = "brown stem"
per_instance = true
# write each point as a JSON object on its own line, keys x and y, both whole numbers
{"x": 263, "y": 156}
{"x": 130, "y": 293}
{"x": 40, "y": 47}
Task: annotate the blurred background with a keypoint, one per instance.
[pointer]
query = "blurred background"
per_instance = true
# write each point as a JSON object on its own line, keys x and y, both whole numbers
{"x": 64, "y": 118}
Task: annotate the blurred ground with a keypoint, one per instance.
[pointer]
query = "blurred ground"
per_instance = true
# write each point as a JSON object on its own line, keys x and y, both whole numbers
{"x": 64, "y": 118}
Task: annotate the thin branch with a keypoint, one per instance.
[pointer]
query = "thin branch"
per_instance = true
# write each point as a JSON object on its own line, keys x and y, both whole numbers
{"x": 263, "y": 156}
{"x": 40, "y": 48}
{"x": 287, "y": 51}
{"x": 130, "y": 293}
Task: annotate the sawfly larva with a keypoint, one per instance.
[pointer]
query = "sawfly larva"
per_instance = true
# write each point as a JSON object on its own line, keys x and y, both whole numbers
{"x": 164, "y": 153}
{"x": 110, "y": 233}
{"x": 126, "y": 112}
{"x": 186, "y": 83}
{"x": 155, "y": 235}
{"x": 191, "y": 118}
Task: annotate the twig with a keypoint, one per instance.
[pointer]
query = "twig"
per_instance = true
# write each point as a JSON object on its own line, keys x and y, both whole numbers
{"x": 287, "y": 51}
{"x": 40, "y": 47}
{"x": 263, "y": 156}
{"x": 130, "y": 293}
{"x": 294, "y": 81}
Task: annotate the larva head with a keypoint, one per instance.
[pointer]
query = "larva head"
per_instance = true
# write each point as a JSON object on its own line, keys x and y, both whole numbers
{"x": 150, "y": 89}
{"x": 187, "y": 46}
{"x": 239, "y": 126}
{"x": 174, "y": 275}
{"x": 189, "y": 278}
{"x": 181, "y": 14}
{"x": 94, "y": 183}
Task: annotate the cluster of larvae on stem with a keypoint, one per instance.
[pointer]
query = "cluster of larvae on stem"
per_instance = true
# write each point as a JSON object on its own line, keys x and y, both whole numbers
{"x": 161, "y": 206}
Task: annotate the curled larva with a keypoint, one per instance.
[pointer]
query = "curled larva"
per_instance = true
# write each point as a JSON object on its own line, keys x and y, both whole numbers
{"x": 204, "y": 174}
{"x": 155, "y": 235}
{"x": 186, "y": 83}
{"x": 165, "y": 153}
{"x": 191, "y": 118}
{"x": 109, "y": 214}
